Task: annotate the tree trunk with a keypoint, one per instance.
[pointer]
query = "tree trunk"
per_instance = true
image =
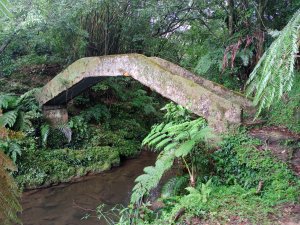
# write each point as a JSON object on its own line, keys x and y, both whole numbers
{"x": 231, "y": 17}
{"x": 262, "y": 4}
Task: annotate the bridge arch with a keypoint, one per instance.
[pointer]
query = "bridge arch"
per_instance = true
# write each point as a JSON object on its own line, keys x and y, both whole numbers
{"x": 219, "y": 105}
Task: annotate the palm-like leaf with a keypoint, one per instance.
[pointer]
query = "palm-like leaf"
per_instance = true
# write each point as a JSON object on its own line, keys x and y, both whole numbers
{"x": 274, "y": 73}
{"x": 173, "y": 140}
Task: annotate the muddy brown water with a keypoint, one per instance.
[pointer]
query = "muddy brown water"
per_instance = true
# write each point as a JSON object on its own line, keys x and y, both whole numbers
{"x": 62, "y": 204}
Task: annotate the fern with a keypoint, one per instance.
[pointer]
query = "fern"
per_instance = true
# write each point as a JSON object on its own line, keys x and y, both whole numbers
{"x": 11, "y": 147}
{"x": 7, "y": 100}
{"x": 19, "y": 111}
{"x": 151, "y": 177}
{"x": 174, "y": 140}
{"x": 9, "y": 194}
{"x": 174, "y": 186}
{"x": 14, "y": 150}
{"x": 274, "y": 73}
{"x": 23, "y": 121}
{"x": 46, "y": 129}
{"x": 193, "y": 203}
{"x": 9, "y": 118}
{"x": 176, "y": 113}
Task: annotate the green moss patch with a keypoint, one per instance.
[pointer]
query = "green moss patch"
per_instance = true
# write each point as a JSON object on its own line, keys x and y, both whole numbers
{"x": 46, "y": 167}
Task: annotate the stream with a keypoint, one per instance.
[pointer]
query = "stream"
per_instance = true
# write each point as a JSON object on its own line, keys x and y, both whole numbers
{"x": 64, "y": 204}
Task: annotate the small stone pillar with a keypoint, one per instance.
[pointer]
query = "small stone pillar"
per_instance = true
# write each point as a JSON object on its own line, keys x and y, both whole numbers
{"x": 55, "y": 115}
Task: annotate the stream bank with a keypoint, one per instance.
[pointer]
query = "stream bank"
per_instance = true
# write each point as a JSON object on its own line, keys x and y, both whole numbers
{"x": 63, "y": 204}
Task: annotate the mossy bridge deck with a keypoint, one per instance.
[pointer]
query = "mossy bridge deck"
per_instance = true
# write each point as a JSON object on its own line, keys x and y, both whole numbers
{"x": 219, "y": 105}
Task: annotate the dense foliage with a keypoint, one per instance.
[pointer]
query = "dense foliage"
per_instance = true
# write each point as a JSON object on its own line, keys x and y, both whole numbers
{"x": 286, "y": 112}
{"x": 225, "y": 41}
{"x": 242, "y": 183}
{"x": 94, "y": 138}
{"x": 174, "y": 140}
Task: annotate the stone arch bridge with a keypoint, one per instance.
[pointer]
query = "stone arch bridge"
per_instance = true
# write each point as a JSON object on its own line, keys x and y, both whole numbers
{"x": 220, "y": 106}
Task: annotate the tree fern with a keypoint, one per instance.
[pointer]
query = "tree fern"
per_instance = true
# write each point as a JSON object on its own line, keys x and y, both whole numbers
{"x": 274, "y": 73}
{"x": 172, "y": 140}
{"x": 9, "y": 194}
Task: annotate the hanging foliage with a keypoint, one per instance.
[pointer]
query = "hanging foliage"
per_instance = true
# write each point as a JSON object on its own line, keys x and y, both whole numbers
{"x": 274, "y": 73}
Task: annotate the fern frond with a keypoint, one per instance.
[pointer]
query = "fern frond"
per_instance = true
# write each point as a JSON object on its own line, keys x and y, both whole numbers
{"x": 23, "y": 121}
{"x": 174, "y": 140}
{"x": 9, "y": 118}
{"x": 151, "y": 177}
{"x": 274, "y": 73}
{"x": 185, "y": 148}
{"x": 163, "y": 143}
{"x": 45, "y": 130}
{"x": 66, "y": 130}
{"x": 14, "y": 150}
{"x": 29, "y": 95}
{"x": 7, "y": 101}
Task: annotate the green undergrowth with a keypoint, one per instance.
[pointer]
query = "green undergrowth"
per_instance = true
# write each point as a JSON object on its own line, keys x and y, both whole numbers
{"x": 93, "y": 149}
{"x": 234, "y": 192}
{"x": 106, "y": 124}
{"x": 45, "y": 167}
{"x": 250, "y": 183}
{"x": 245, "y": 185}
